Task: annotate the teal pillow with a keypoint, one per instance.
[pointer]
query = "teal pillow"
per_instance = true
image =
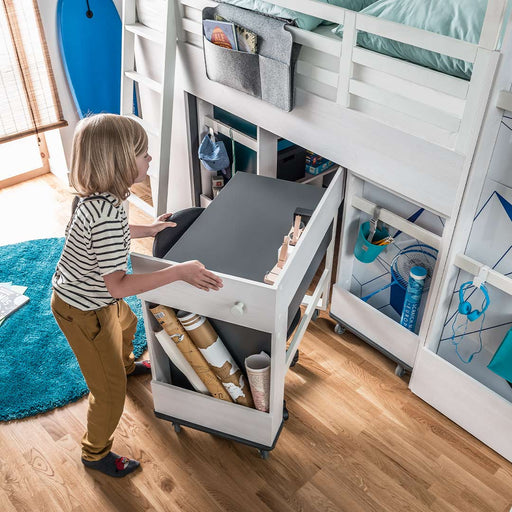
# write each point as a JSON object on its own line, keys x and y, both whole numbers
{"x": 353, "y": 5}
{"x": 461, "y": 19}
{"x": 301, "y": 20}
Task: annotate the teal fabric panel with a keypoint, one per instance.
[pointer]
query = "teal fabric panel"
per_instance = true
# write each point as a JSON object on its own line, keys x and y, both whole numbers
{"x": 501, "y": 363}
{"x": 461, "y": 19}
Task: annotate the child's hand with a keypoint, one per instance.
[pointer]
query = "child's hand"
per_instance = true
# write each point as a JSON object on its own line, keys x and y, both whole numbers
{"x": 161, "y": 223}
{"x": 195, "y": 273}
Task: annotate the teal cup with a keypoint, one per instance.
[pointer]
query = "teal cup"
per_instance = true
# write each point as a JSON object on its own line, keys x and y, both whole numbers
{"x": 365, "y": 251}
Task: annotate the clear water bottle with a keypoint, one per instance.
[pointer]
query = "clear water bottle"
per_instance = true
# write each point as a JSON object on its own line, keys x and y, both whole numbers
{"x": 413, "y": 294}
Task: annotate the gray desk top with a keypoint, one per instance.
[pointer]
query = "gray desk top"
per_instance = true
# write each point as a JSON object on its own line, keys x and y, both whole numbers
{"x": 240, "y": 232}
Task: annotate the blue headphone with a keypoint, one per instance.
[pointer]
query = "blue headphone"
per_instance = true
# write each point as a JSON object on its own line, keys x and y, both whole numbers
{"x": 465, "y": 307}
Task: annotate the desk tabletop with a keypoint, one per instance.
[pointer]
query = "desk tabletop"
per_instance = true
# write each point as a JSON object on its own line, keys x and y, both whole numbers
{"x": 242, "y": 229}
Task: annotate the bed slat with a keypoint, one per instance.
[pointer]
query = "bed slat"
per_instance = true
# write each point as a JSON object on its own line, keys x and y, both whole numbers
{"x": 447, "y": 84}
{"x": 418, "y": 37}
{"x": 405, "y": 105}
{"x": 408, "y": 89}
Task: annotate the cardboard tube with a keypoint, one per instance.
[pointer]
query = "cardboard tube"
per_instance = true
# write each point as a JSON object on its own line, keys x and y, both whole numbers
{"x": 175, "y": 355}
{"x": 167, "y": 319}
{"x": 218, "y": 357}
{"x": 258, "y": 374}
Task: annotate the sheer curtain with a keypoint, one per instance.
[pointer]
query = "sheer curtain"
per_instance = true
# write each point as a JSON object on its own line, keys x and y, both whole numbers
{"x": 29, "y": 103}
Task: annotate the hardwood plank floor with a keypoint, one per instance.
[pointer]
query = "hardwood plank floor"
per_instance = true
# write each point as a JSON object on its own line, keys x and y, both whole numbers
{"x": 357, "y": 438}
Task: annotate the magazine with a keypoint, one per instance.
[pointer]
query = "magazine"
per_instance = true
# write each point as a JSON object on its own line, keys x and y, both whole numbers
{"x": 246, "y": 39}
{"x": 10, "y": 301}
{"x": 221, "y": 33}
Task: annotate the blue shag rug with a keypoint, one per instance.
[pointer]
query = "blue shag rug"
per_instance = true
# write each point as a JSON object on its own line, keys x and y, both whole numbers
{"x": 38, "y": 370}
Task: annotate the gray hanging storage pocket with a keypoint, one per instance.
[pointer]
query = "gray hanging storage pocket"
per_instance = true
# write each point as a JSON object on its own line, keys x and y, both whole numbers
{"x": 267, "y": 74}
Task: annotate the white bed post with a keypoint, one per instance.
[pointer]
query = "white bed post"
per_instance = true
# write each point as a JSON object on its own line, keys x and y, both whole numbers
{"x": 267, "y": 153}
{"x": 346, "y": 64}
{"x": 493, "y": 22}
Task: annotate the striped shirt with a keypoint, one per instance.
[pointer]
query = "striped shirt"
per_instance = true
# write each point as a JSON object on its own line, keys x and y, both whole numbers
{"x": 97, "y": 244}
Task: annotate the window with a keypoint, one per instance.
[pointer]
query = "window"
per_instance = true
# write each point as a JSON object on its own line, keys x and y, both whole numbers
{"x": 29, "y": 104}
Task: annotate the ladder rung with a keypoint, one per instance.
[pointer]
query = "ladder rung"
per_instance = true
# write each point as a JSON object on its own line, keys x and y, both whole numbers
{"x": 147, "y": 33}
{"x": 144, "y": 80}
{"x": 140, "y": 203}
{"x": 150, "y": 130}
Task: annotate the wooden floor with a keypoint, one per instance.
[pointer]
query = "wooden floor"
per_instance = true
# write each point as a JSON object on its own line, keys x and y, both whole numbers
{"x": 357, "y": 439}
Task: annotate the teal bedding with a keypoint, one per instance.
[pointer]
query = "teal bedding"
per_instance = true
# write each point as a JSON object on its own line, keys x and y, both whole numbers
{"x": 301, "y": 20}
{"x": 461, "y": 19}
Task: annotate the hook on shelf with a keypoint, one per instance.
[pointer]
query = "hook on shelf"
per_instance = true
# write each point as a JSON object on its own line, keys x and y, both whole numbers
{"x": 481, "y": 278}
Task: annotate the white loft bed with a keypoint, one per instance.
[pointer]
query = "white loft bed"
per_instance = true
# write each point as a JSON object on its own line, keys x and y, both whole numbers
{"x": 382, "y": 117}
{"x": 406, "y": 129}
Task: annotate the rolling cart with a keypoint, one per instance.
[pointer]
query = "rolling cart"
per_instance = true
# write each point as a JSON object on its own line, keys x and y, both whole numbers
{"x": 238, "y": 237}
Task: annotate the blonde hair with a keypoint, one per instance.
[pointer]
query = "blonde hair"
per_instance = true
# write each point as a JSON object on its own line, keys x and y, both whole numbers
{"x": 103, "y": 154}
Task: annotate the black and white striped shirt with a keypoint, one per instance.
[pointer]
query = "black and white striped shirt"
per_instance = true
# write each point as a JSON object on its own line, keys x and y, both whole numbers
{"x": 97, "y": 244}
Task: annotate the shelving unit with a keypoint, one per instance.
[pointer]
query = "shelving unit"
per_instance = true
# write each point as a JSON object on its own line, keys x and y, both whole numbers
{"x": 263, "y": 143}
{"x": 469, "y": 394}
{"x": 376, "y": 321}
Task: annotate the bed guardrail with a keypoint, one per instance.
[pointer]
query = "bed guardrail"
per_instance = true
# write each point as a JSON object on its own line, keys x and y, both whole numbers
{"x": 437, "y": 107}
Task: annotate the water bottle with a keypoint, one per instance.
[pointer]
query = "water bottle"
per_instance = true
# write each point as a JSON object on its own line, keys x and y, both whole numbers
{"x": 412, "y": 300}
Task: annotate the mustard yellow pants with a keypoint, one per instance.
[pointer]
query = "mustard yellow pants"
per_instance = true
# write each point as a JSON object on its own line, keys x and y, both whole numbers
{"x": 102, "y": 343}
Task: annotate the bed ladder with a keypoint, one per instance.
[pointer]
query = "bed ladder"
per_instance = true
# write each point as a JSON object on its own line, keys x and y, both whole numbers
{"x": 130, "y": 78}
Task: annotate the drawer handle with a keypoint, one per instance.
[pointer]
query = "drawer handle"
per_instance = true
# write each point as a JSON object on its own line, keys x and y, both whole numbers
{"x": 238, "y": 309}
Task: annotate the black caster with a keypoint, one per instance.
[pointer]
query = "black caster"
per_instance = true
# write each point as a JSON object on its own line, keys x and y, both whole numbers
{"x": 177, "y": 427}
{"x": 295, "y": 359}
{"x": 339, "y": 329}
{"x": 264, "y": 454}
{"x": 286, "y": 415}
{"x": 315, "y": 315}
{"x": 399, "y": 370}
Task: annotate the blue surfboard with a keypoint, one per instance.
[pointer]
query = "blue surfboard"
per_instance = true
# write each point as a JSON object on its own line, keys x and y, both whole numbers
{"x": 90, "y": 34}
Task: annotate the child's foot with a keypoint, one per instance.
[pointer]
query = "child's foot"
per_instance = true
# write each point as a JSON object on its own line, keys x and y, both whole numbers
{"x": 113, "y": 465}
{"x": 141, "y": 368}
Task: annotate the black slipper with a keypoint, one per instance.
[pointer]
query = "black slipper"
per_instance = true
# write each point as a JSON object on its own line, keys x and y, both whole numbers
{"x": 141, "y": 368}
{"x": 113, "y": 465}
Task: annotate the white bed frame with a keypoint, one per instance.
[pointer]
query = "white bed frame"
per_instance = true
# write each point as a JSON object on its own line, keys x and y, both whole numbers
{"x": 404, "y": 128}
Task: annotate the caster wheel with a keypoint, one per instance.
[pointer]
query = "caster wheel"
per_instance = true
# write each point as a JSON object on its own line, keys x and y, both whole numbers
{"x": 339, "y": 329}
{"x": 315, "y": 315}
{"x": 264, "y": 454}
{"x": 399, "y": 370}
{"x": 286, "y": 415}
{"x": 177, "y": 427}
{"x": 295, "y": 359}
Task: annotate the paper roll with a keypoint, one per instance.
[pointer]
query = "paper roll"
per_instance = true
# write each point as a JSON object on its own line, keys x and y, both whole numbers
{"x": 258, "y": 374}
{"x": 167, "y": 319}
{"x": 175, "y": 355}
{"x": 218, "y": 357}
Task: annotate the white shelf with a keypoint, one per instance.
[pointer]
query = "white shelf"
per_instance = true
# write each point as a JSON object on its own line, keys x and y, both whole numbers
{"x": 309, "y": 177}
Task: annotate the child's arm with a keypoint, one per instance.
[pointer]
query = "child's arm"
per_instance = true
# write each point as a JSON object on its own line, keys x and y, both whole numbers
{"x": 141, "y": 231}
{"x": 120, "y": 284}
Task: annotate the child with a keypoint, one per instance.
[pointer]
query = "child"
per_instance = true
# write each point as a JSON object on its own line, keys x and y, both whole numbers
{"x": 109, "y": 155}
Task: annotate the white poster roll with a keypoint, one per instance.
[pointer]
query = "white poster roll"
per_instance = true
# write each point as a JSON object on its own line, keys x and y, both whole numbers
{"x": 258, "y": 375}
{"x": 175, "y": 355}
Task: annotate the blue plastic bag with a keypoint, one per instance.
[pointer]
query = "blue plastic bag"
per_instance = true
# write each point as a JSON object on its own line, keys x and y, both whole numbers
{"x": 213, "y": 155}
{"x": 501, "y": 363}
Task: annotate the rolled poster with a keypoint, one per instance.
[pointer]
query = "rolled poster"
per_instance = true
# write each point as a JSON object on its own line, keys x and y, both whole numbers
{"x": 166, "y": 317}
{"x": 218, "y": 357}
{"x": 258, "y": 374}
{"x": 175, "y": 355}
